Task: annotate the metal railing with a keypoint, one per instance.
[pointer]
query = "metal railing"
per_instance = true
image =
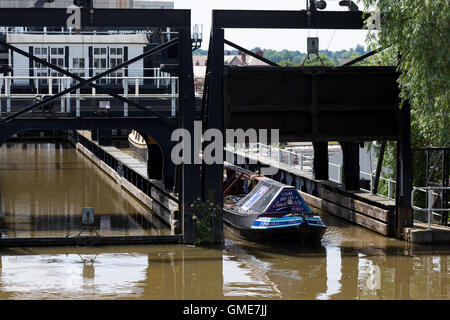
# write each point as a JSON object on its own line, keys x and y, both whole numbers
{"x": 272, "y": 153}
{"x": 430, "y": 210}
{"x": 64, "y": 82}
{"x": 304, "y": 163}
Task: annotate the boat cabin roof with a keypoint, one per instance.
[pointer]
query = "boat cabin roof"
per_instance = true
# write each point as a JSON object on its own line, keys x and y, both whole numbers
{"x": 272, "y": 197}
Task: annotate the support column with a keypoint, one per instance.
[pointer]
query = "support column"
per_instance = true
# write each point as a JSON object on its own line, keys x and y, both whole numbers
{"x": 154, "y": 159}
{"x": 105, "y": 137}
{"x": 190, "y": 182}
{"x": 94, "y": 134}
{"x": 213, "y": 173}
{"x": 404, "y": 173}
{"x": 320, "y": 160}
{"x": 168, "y": 170}
{"x": 350, "y": 167}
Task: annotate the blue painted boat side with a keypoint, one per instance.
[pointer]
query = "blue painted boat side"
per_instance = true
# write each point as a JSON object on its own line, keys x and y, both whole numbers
{"x": 270, "y": 223}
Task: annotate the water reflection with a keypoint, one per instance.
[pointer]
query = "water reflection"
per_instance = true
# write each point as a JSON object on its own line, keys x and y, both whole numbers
{"x": 44, "y": 186}
{"x": 238, "y": 271}
{"x": 350, "y": 263}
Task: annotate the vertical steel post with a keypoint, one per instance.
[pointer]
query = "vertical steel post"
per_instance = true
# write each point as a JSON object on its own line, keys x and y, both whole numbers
{"x": 389, "y": 188}
{"x": 351, "y": 169}
{"x": 190, "y": 183}
{"x": 445, "y": 184}
{"x": 8, "y": 94}
{"x": 430, "y": 207}
{"x": 136, "y": 87}
{"x": 376, "y": 181}
{"x": 1, "y": 87}
{"x": 61, "y": 88}
{"x": 173, "y": 96}
{"x": 213, "y": 174}
{"x": 77, "y": 103}
{"x": 125, "y": 94}
{"x": 320, "y": 161}
{"x": 50, "y": 85}
{"x": 404, "y": 173}
{"x": 67, "y": 82}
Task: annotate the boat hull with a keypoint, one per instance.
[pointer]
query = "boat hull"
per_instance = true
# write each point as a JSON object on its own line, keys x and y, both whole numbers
{"x": 242, "y": 226}
{"x": 140, "y": 151}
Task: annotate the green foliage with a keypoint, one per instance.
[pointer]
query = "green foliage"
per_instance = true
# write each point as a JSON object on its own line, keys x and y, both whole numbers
{"x": 287, "y": 63}
{"x": 204, "y": 213}
{"x": 313, "y": 60}
{"x": 295, "y": 58}
{"x": 418, "y": 31}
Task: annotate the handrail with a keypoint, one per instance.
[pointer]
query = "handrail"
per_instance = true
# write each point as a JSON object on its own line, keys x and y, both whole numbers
{"x": 429, "y": 210}
{"x": 301, "y": 157}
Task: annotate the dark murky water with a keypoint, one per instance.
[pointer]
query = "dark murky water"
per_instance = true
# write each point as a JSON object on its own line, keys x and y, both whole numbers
{"x": 42, "y": 185}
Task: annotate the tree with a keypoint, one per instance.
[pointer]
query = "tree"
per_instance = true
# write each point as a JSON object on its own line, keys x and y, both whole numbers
{"x": 313, "y": 60}
{"x": 417, "y": 31}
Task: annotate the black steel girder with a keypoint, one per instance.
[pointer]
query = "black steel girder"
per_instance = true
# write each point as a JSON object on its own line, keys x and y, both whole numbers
{"x": 263, "y": 19}
{"x": 108, "y": 18}
{"x": 84, "y": 82}
{"x": 93, "y": 85}
{"x": 314, "y": 103}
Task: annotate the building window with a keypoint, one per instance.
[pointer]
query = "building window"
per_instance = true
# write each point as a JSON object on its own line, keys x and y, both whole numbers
{"x": 40, "y": 70}
{"x": 41, "y": 75}
{"x": 57, "y": 61}
{"x": 116, "y": 51}
{"x": 99, "y": 51}
{"x": 115, "y": 59}
{"x": 57, "y": 58}
{"x": 115, "y": 62}
{"x": 57, "y": 51}
{"x": 78, "y": 63}
{"x": 37, "y": 65}
{"x": 40, "y": 51}
{"x": 100, "y": 63}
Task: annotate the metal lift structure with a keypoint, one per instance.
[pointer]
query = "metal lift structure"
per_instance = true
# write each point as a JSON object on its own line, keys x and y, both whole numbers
{"x": 154, "y": 124}
{"x": 348, "y": 104}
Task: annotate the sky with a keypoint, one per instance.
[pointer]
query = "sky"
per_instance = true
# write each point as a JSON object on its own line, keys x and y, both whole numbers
{"x": 333, "y": 40}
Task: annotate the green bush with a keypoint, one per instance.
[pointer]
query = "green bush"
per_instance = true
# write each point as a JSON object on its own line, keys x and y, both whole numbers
{"x": 203, "y": 218}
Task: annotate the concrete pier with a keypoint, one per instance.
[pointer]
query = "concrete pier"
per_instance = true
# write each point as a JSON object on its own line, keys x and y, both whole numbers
{"x": 420, "y": 234}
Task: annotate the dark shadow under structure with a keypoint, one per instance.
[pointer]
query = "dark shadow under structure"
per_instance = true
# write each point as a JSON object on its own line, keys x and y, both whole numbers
{"x": 318, "y": 104}
{"x": 157, "y": 125}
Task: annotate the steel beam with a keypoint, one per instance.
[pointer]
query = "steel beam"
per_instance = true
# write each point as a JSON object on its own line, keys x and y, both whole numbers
{"x": 101, "y": 18}
{"x": 350, "y": 165}
{"x": 190, "y": 183}
{"x": 250, "y": 53}
{"x": 320, "y": 160}
{"x": 213, "y": 174}
{"x": 314, "y": 103}
{"x": 262, "y": 19}
{"x": 363, "y": 57}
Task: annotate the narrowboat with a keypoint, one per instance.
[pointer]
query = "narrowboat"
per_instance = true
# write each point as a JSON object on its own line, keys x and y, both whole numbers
{"x": 272, "y": 211}
{"x": 138, "y": 145}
